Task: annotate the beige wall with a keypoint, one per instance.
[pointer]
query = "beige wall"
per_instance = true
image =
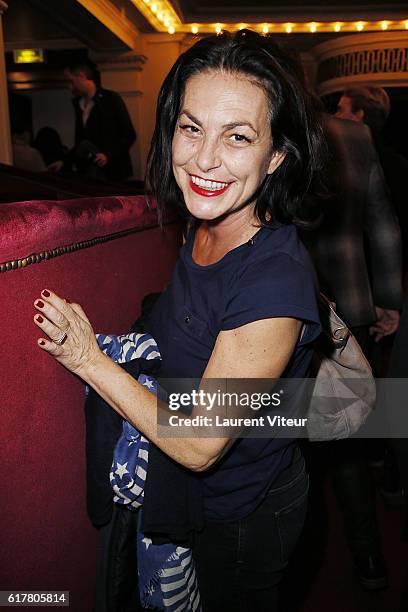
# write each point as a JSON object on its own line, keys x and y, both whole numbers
{"x": 161, "y": 51}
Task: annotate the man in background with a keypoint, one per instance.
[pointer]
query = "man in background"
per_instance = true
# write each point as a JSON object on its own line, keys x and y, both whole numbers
{"x": 103, "y": 129}
{"x": 371, "y": 105}
{"x": 358, "y": 219}
{"x": 357, "y": 248}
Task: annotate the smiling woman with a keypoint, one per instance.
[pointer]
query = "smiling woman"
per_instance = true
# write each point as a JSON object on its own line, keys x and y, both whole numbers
{"x": 255, "y": 71}
{"x": 222, "y": 146}
{"x": 237, "y": 148}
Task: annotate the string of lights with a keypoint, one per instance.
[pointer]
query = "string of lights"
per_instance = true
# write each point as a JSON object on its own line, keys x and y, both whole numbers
{"x": 163, "y": 18}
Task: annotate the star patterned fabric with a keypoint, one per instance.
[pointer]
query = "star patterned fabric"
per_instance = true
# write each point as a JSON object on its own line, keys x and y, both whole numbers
{"x": 166, "y": 572}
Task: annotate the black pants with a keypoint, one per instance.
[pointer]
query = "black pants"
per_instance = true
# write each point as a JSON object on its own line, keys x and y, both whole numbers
{"x": 353, "y": 486}
{"x": 355, "y": 493}
{"x": 240, "y": 564}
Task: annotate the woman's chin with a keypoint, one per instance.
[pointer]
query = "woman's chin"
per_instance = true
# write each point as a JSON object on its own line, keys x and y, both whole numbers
{"x": 203, "y": 211}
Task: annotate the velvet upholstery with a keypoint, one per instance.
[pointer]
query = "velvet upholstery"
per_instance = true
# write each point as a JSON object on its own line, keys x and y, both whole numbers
{"x": 47, "y": 541}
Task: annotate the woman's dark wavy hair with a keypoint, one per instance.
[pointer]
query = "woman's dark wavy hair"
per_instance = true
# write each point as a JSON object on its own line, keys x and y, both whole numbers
{"x": 286, "y": 196}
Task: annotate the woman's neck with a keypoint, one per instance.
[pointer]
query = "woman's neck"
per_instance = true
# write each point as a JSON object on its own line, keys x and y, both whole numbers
{"x": 215, "y": 239}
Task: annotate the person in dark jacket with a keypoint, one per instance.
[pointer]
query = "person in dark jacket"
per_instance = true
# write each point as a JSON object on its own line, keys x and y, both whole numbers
{"x": 103, "y": 129}
{"x": 371, "y": 105}
{"x": 357, "y": 254}
{"x": 364, "y": 282}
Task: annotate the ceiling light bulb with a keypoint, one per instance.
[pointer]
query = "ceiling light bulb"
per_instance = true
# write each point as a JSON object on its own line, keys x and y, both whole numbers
{"x": 194, "y": 30}
{"x": 171, "y": 30}
{"x": 360, "y": 26}
{"x": 313, "y": 27}
{"x": 337, "y": 27}
{"x": 265, "y": 29}
{"x": 166, "y": 22}
{"x": 154, "y": 8}
{"x": 218, "y": 29}
{"x": 288, "y": 28}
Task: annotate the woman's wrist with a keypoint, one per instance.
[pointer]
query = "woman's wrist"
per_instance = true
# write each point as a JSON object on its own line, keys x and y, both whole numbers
{"x": 90, "y": 369}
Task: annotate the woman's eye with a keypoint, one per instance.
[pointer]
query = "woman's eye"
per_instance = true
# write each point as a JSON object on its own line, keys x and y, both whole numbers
{"x": 239, "y": 138}
{"x": 190, "y": 129}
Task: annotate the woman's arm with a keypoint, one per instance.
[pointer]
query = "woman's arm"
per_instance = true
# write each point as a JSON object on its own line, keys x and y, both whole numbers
{"x": 236, "y": 354}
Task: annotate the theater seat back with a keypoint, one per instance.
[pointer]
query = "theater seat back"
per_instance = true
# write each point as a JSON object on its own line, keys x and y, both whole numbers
{"x": 105, "y": 254}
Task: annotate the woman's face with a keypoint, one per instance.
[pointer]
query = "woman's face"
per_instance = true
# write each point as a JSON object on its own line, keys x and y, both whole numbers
{"x": 222, "y": 145}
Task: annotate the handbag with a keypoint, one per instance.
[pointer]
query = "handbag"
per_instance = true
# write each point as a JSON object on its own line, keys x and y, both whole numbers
{"x": 344, "y": 391}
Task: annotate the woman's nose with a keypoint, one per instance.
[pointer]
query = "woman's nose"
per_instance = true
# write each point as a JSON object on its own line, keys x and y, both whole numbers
{"x": 208, "y": 156}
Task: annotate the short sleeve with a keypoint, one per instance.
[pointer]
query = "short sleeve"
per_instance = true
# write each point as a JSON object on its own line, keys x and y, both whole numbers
{"x": 278, "y": 286}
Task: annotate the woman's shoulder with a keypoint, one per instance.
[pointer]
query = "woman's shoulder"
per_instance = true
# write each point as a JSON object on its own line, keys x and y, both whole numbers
{"x": 279, "y": 249}
{"x": 277, "y": 281}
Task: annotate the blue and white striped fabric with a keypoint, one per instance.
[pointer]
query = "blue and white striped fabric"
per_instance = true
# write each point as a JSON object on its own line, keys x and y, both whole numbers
{"x": 128, "y": 478}
{"x": 167, "y": 577}
{"x": 129, "y": 468}
{"x": 174, "y": 587}
{"x": 129, "y": 346}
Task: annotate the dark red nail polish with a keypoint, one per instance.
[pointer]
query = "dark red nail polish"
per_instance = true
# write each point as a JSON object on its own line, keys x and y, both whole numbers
{"x": 39, "y": 304}
{"x": 42, "y": 342}
{"x": 40, "y": 319}
{"x": 46, "y": 293}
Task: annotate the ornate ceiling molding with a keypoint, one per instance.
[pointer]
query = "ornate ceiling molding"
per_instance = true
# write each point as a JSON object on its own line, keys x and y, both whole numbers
{"x": 359, "y": 41}
{"x": 362, "y": 59}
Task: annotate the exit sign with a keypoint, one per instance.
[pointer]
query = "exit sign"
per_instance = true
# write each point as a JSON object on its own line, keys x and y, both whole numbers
{"x": 28, "y": 56}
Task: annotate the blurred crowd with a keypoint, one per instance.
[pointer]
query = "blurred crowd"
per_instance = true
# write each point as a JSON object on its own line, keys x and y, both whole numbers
{"x": 103, "y": 132}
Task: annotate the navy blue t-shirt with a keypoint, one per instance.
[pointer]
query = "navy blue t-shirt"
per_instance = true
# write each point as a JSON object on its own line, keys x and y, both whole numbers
{"x": 269, "y": 276}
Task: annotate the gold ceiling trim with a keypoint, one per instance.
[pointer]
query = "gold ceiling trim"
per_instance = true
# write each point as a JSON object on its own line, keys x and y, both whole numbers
{"x": 163, "y": 18}
{"x": 160, "y": 14}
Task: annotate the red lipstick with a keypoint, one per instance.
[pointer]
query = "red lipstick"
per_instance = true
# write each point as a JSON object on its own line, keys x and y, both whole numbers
{"x": 207, "y": 193}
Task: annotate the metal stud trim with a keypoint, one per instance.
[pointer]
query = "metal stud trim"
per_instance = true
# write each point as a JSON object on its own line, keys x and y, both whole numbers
{"x": 35, "y": 258}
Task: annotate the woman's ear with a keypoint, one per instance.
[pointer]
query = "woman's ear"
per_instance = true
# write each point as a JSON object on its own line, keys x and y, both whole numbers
{"x": 276, "y": 160}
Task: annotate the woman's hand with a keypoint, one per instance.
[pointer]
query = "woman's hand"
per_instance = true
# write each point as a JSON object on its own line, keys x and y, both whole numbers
{"x": 69, "y": 334}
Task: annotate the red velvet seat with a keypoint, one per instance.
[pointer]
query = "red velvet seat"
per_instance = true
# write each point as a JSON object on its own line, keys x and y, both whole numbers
{"x": 106, "y": 254}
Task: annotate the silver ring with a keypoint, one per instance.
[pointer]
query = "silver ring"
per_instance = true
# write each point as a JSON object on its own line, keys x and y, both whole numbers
{"x": 61, "y": 339}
